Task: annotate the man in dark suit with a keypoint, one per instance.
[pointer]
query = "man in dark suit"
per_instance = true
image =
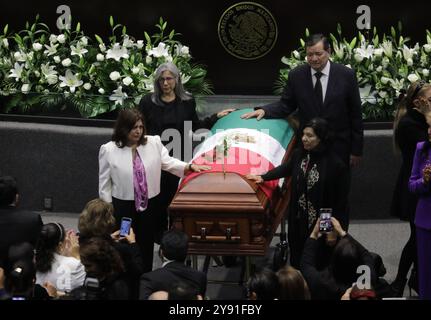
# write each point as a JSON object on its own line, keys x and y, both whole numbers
{"x": 173, "y": 252}
{"x": 323, "y": 89}
{"x": 16, "y": 226}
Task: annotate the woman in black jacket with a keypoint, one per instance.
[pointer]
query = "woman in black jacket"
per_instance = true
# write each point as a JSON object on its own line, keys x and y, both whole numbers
{"x": 319, "y": 180}
{"x": 170, "y": 112}
{"x": 410, "y": 127}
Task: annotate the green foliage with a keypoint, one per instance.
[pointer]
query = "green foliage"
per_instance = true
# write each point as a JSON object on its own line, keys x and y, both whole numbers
{"x": 44, "y": 71}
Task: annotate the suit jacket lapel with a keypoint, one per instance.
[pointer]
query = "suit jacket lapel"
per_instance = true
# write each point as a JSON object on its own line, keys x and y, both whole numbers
{"x": 331, "y": 86}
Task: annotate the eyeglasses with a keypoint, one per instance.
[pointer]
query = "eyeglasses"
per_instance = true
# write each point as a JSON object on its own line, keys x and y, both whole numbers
{"x": 168, "y": 79}
{"x": 418, "y": 88}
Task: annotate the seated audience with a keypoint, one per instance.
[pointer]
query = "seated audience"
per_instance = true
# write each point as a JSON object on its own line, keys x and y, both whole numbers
{"x": 16, "y": 225}
{"x": 105, "y": 272}
{"x": 334, "y": 280}
{"x": 97, "y": 220}
{"x": 292, "y": 284}
{"x": 173, "y": 252}
{"x": 263, "y": 285}
{"x": 57, "y": 258}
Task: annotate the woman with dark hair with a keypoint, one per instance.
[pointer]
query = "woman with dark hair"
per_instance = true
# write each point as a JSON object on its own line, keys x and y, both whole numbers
{"x": 129, "y": 176}
{"x": 97, "y": 220}
{"x": 166, "y": 112}
{"x": 57, "y": 258}
{"x": 263, "y": 285}
{"x": 420, "y": 184}
{"x": 333, "y": 281}
{"x": 319, "y": 180}
{"x": 410, "y": 127}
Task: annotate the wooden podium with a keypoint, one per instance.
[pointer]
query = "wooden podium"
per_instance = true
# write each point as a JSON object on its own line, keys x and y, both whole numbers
{"x": 225, "y": 214}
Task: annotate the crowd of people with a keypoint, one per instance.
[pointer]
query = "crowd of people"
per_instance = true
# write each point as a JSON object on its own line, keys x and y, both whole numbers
{"x": 138, "y": 177}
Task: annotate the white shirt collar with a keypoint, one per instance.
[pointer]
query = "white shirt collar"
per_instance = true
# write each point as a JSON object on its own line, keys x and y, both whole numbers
{"x": 325, "y": 70}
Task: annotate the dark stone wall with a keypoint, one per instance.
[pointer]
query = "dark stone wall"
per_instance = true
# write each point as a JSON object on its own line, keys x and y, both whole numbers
{"x": 62, "y": 162}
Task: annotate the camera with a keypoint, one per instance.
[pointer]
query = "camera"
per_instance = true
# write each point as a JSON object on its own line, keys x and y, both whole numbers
{"x": 325, "y": 225}
{"x": 126, "y": 223}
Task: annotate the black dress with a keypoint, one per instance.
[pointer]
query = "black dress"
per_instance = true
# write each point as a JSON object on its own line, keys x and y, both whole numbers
{"x": 319, "y": 180}
{"x": 412, "y": 129}
{"x": 158, "y": 120}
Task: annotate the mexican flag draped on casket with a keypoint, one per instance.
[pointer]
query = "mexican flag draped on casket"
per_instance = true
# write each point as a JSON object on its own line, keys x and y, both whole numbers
{"x": 244, "y": 146}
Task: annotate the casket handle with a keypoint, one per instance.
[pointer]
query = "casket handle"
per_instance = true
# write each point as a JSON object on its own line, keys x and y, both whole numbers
{"x": 217, "y": 238}
{"x": 228, "y": 234}
{"x": 203, "y": 233}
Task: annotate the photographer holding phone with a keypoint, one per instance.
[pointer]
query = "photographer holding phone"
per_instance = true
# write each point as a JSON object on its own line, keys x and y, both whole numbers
{"x": 129, "y": 176}
{"x": 319, "y": 180}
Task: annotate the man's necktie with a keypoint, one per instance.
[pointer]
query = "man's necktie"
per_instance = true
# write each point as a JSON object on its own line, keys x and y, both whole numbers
{"x": 318, "y": 89}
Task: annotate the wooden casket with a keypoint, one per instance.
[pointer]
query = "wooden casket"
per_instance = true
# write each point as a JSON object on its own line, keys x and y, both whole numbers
{"x": 222, "y": 212}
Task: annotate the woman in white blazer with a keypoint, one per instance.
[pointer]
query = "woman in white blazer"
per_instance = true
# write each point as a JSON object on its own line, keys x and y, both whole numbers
{"x": 129, "y": 176}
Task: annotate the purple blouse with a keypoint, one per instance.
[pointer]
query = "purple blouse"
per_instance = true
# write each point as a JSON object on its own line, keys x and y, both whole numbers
{"x": 417, "y": 186}
{"x": 140, "y": 184}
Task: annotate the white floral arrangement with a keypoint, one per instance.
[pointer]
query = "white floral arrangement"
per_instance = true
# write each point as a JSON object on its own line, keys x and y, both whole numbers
{"x": 385, "y": 66}
{"x": 39, "y": 69}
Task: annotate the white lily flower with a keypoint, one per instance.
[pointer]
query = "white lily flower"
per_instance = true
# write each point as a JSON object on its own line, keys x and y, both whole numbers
{"x": 20, "y": 56}
{"x": 387, "y": 48}
{"x": 57, "y": 59}
{"x": 49, "y": 73}
{"x": 50, "y": 50}
{"x": 61, "y": 38}
{"x": 140, "y": 44}
{"x": 412, "y": 77}
{"x": 378, "y": 52}
{"x": 78, "y": 50}
{"x": 384, "y": 80}
{"x": 118, "y": 96}
{"x": 83, "y": 41}
{"x": 53, "y": 38}
{"x": 185, "y": 51}
{"x": 379, "y": 69}
{"x": 383, "y": 94}
{"x": 117, "y": 52}
{"x": 70, "y": 80}
{"x": 127, "y": 42}
{"x": 410, "y": 62}
{"x": 6, "y": 43}
{"x": 114, "y": 75}
{"x": 149, "y": 84}
{"x": 87, "y": 86}
{"x": 102, "y": 47}
{"x": 26, "y": 88}
{"x": 127, "y": 81}
{"x": 169, "y": 58}
{"x": 16, "y": 72}
{"x": 397, "y": 85}
{"x": 29, "y": 57}
{"x": 427, "y": 48}
{"x": 408, "y": 53}
{"x": 339, "y": 51}
{"x": 296, "y": 54}
{"x": 135, "y": 70}
{"x": 148, "y": 59}
{"x": 367, "y": 95}
{"x": 101, "y": 91}
{"x": 385, "y": 62}
{"x": 37, "y": 46}
{"x": 100, "y": 57}
{"x": 358, "y": 57}
{"x": 66, "y": 62}
{"x": 364, "y": 52}
{"x": 160, "y": 51}
{"x": 425, "y": 72}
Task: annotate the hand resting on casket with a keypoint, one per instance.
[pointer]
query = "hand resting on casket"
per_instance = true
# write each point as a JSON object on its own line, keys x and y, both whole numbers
{"x": 255, "y": 178}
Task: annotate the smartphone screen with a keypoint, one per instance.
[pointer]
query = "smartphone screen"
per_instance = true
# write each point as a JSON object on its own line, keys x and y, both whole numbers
{"x": 126, "y": 223}
{"x": 325, "y": 221}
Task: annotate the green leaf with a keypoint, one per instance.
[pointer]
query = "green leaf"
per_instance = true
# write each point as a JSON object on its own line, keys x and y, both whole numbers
{"x": 172, "y": 34}
{"x": 124, "y": 31}
{"x": 307, "y": 32}
{"x": 302, "y": 43}
{"x": 339, "y": 29}
{"x": 147, "y": 37}
{"x": 78, "y": 27}
{"x": 164, "y": 25}
{"x": 111, "y": 21}
{"x": 5, "y": 30}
